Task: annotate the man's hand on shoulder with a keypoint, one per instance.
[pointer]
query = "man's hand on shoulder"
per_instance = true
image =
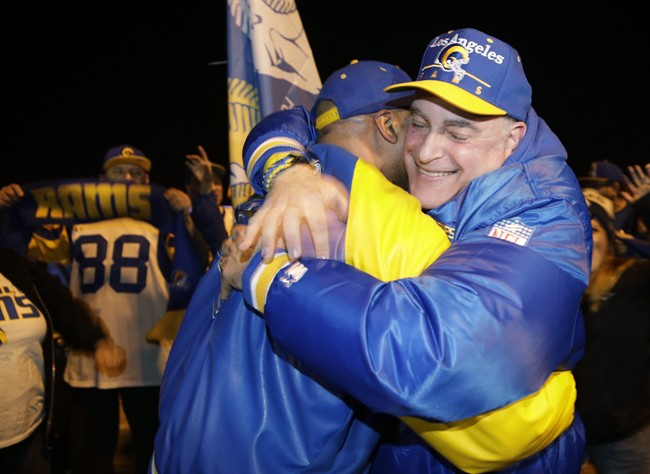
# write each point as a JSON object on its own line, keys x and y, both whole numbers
{"x": 297, "y": 197}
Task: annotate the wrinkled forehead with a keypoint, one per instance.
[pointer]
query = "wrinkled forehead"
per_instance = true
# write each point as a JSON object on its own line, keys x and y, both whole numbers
{"x": 434, "y": 107}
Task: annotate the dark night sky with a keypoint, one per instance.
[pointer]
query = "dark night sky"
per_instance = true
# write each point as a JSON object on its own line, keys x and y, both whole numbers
{"x": 80, "y": 79}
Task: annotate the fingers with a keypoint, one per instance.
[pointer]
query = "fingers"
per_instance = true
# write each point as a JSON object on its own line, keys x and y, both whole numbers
{"x": 226, "y": 289}
{"x": 638, "y": 182}
{"x": 641, "y": 176}
{"x": 269, "y": 232}
{"x": 232, "y": 264}
{"x": 111, "y": 359}
{"x": 204, "y": 155}
{"x": 201, "y": 158}
{"x": 250, "y": 235}
{"x": 292, "y": 235}
{"x": 338, "y": 198}
{"x": 10, "y": 194}
{"x": 195, "y": 162}
{"x": 636, "y": 174}
{"x": 627, "y": 196}
{"x": 225, "y": 292}
{"x": 229, "y": 247}
{"x": 262, "y": 231}
{"x": 177, "y": 199}
{"x": 298, "y": 198}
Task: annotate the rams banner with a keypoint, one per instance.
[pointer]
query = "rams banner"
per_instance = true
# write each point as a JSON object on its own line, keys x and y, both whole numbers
{"x": 70, "y": 202}
{"x": 270, "y": 68}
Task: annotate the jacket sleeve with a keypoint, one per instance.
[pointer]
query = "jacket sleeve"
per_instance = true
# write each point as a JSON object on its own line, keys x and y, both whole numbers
{"x": 70, "y": 316}
{"x": 472, "y": 333}
{"x": 272, "y": 139}
{"x": 209, "y": 221}
{"x": 482, "y": 326}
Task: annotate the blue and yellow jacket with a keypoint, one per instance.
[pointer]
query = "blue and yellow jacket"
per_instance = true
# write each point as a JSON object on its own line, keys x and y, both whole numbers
{"x": 483, "y": 326}
{"x": 233, "y": 401}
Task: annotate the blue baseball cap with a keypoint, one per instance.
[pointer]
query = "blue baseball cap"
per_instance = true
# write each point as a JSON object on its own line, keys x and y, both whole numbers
{"x": 126, "y": 154}
{"x": 358, "y": 89}
{"x": 475, "y": 72}
{"x": 607, "y": 170}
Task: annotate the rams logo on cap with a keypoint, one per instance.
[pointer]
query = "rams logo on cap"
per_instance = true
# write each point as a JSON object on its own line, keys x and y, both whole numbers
{"x": 127, "y": 152}
{"x": 452, "y": 58}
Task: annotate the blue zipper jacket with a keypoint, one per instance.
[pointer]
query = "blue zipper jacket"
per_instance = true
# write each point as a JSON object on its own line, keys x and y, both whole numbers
{"x": 482, "y": 327}
{"x": 233, "y": 401}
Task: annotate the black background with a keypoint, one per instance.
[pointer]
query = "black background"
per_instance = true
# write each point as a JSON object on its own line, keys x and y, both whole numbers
{"x": 80, "y": 78}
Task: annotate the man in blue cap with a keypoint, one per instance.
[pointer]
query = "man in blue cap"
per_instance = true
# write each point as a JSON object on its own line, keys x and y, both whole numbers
{"x": 129, "y": 292}
{"x": 488, "y": 322}
{"x": 231, "y": 399}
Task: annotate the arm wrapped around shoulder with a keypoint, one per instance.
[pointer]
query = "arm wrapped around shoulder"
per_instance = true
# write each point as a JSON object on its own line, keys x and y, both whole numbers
{"x": 276, "y": 136}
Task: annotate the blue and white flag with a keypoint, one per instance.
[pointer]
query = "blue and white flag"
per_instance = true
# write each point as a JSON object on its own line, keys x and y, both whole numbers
{"x": 270, "y": 68}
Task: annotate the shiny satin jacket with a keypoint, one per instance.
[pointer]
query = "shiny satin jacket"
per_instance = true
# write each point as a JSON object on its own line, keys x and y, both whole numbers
{"x": 483, "y": 326}
{"x": 232, "y": 401}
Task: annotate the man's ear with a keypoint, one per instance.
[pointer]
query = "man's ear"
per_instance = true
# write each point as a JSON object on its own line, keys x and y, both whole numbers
{"x": 517, "y": 132}
{"x": 386, "y": 121}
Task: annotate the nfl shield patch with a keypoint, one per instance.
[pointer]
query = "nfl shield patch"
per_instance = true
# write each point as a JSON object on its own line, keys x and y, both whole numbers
{"x": 512, "y": 230}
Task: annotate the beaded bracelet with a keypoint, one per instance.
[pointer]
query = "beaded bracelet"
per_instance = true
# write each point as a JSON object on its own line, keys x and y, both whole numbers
{"x": 283, "y": 163}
